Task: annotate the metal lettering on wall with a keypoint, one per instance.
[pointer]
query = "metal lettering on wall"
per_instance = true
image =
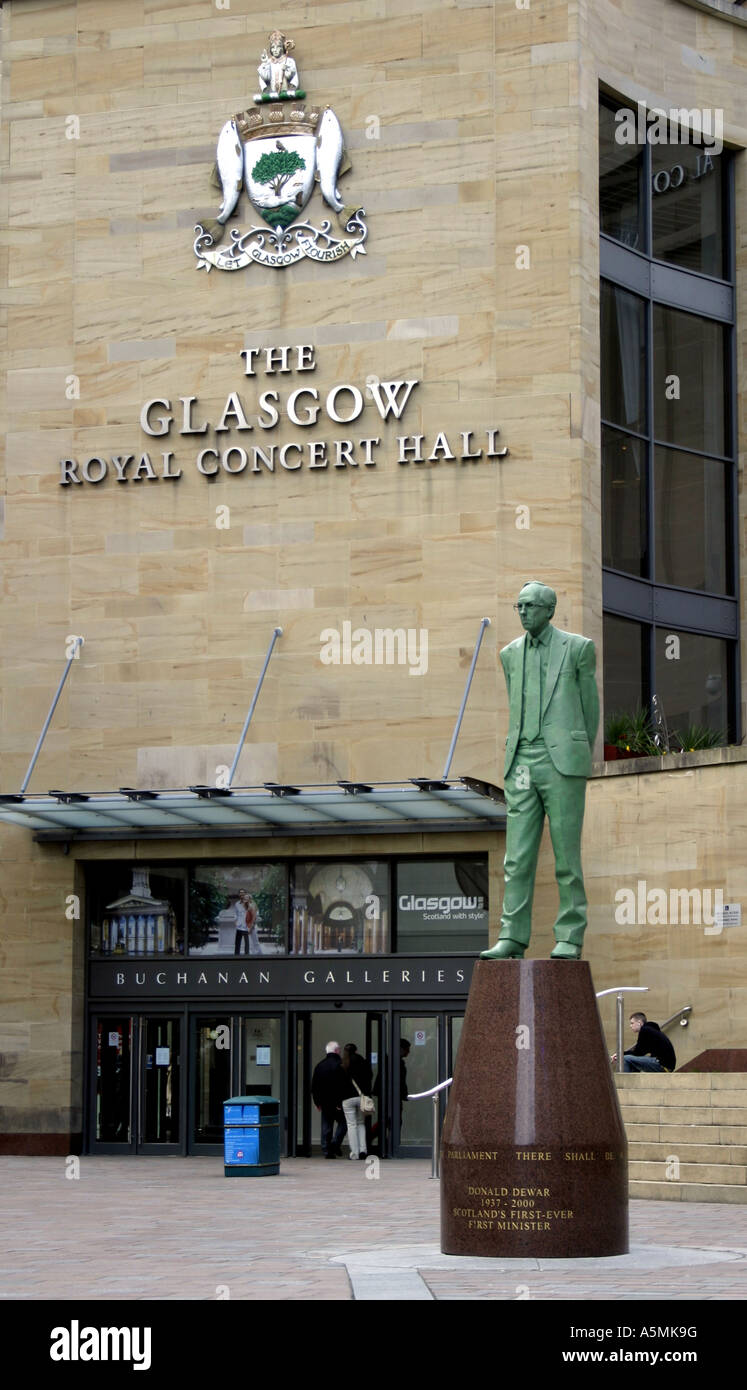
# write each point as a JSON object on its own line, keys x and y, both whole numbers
{"x": 301, "y": 407}
{"x": 384, "y": 977}
{"x": 276, "y": 153}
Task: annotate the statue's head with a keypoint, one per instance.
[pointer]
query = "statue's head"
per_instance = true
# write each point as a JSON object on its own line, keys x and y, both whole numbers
{"x": 278, "y": 45}
{"x": 535, "y": 606}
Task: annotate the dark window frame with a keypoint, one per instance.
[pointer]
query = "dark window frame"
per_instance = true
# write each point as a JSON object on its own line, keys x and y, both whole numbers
{"x": 92, "y": 868}
{"x": 662, "y": 283}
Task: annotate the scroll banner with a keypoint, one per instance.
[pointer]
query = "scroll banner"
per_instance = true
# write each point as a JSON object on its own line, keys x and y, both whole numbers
{"x": 282, "y": 247}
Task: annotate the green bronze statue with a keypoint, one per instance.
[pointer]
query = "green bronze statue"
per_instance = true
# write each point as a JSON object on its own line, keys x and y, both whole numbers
{"x": 553, "y": 720}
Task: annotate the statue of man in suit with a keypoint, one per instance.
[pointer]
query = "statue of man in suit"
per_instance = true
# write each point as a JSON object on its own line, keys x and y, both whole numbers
{"x": 553, "y": 719}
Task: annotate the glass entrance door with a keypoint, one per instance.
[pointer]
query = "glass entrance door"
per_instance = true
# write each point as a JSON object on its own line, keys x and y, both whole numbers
{"x": 455, "y": 1034}
{"x": 418, "y": 1040}
{"x": 160, "y": 1090}
{"x": 211, "y": 1058}
{"x": 262, "y": 1064}
{"x": 261, "y": 1057}
{"x": 113, "y": 1042}
{"x": 137, "y": 1092}
{"x": 427, "y": 1046}
{"x": 231, "y": 1055}
{"x": 376, "y": 1127}
{"x": 311, "y": 1032}
{"x": 300, "y": 1083}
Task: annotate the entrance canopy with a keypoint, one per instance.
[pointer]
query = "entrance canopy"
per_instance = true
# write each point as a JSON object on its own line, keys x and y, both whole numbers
{"x": 349, "y": 808}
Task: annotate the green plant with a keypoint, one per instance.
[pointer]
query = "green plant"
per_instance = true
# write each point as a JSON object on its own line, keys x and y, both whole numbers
{"x": 641, "y": 730}
{"x": 272, "y": 902}
{"x": 617, "y": 728}
{"x": 206, "y": 901}
{"x": 697, "y": 736}
{"x": 649, "y": 747}
{"x": 634, "y": 733}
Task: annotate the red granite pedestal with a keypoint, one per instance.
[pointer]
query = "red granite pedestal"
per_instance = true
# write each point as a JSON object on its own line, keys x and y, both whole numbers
{"x": 534, "y": 1159}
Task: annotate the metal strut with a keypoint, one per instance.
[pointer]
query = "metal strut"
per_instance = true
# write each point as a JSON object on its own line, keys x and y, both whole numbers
{"x": 77, "y": 644}
{"x": 278, "y": 632}
{"x": 484, "y": 622}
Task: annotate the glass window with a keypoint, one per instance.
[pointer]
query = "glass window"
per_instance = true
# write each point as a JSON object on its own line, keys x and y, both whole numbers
{"x": 624, "y": 502}
{"x": 687, "y": 207}
{"x": 625, "y": 645}
{"x": 340, "y": 908}
{"x": 690, "y": 383}
{"x": 135, "y": 910}
{"x": 692, "y": 682}
{"x": 623, "y": 358}
{"x": 238, "y": 909}
{"x": 442, "y": 905}
{"x": 620, "y": 169}
{"x": 691, "y": 543}
{"x": 667, "y": 469}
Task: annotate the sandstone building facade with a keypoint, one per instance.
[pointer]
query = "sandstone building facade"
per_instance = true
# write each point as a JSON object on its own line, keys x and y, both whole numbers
{"x": 534, "y": 367}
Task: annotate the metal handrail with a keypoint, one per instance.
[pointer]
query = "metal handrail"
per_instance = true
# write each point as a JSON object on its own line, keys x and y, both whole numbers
{"x": 421, "y": 1095}
{"x": 621, "y": 990}
{"x": 683, "y": 1021}
{"x": 433, "y": 1093}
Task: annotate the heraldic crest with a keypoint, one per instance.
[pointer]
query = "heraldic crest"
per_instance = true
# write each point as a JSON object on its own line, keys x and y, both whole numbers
{"x": 276, "y": 153}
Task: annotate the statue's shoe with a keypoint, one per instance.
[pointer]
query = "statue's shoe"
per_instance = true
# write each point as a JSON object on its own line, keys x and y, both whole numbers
{"x": 565, "y": 951}
{"x": 505, "y": 949}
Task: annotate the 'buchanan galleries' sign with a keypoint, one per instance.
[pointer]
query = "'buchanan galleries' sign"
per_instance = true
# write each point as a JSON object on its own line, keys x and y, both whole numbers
{"x": 263, "y": 977}
{"x": 258, "y": 416}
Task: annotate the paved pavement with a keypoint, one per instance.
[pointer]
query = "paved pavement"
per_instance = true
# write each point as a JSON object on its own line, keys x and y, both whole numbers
{"x": 175, "y": 1228}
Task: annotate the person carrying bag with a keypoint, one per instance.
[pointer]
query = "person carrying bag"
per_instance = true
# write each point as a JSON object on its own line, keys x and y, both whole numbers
{"x": 356, "y": 1101}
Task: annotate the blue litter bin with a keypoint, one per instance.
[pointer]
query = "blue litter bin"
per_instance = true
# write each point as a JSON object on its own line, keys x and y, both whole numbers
{"x": 251, "y": 1137}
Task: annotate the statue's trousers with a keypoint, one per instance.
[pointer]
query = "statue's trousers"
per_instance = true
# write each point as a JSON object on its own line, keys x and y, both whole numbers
{"x": 535, "y": 789}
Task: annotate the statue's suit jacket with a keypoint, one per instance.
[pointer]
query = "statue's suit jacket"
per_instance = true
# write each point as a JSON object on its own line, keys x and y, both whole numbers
{"x": 570, "y": 701}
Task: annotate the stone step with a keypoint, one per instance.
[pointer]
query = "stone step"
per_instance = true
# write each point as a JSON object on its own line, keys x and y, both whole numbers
{"x": 664, "y": 1095}
{"x": 646, "y": 1149}
{"x": 687, "y": 1134}
{"x": 709, "y": 1174}
{"x": 687, "y": 1191}
{"x": 731, "y": 1134}
{"x": 680, "y": 1081}
{"x": 697, "y": 1118}
{"x": 683, "y": 1115}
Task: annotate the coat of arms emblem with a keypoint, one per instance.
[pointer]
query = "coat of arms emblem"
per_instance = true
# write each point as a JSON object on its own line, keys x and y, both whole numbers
{"x": 276, "y": 153}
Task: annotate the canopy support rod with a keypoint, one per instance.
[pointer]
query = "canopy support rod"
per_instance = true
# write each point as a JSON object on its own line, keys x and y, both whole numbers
{"x": 77, "y": 644}
{"x": 484, "y": 622}
{"x": 277, "y": 632}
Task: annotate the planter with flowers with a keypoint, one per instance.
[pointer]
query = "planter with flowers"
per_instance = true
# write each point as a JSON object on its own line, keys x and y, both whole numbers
{"x": 632, "y": 736}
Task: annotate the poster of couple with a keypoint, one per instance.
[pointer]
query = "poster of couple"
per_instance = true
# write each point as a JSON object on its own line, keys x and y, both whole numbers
{"x": 238, "y": 910}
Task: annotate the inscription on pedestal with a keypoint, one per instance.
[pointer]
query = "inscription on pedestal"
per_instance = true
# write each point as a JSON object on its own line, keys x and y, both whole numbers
{"x": 534, "y": 1156}
{"x": 505, "y": 1197}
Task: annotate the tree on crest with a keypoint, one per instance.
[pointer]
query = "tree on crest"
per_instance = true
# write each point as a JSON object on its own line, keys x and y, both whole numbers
{"x": 277, "y": 168}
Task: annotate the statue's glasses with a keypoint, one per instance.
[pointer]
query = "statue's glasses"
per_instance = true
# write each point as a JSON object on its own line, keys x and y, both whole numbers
{"x": 527, "y": 607}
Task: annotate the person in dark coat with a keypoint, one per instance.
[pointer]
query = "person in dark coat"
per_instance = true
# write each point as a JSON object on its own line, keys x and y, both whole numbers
{"x": 357, "y": 1079}
{"x": 404, "y": 1052}
{"x": 653, "y": 1050}
{"x": 326, "y": 1093}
